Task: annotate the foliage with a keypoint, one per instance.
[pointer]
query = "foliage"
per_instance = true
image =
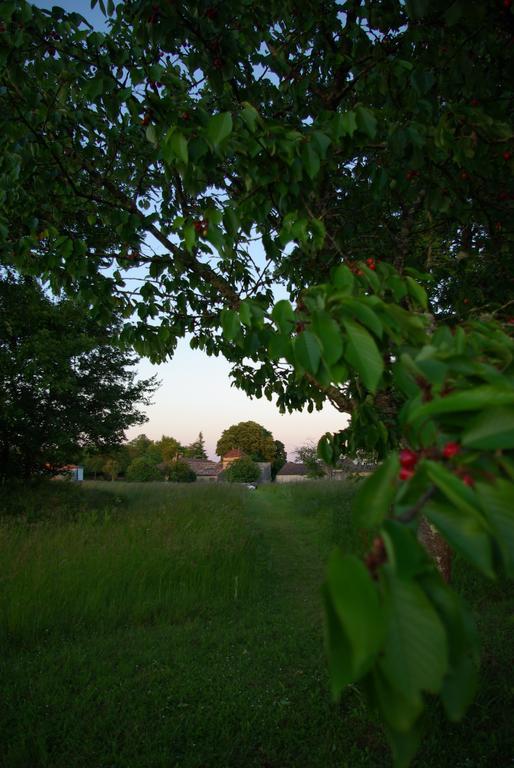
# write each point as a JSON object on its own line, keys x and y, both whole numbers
{"x": 197, "y": 449}
{"x": 142, "y": 470}
{"x": 250, "y": 438}
{"x": 166, "y": 449}
{"x": 64, "y": 385}
{"x": 243, "y": 470}
{"x": 279, "y": 459}
{"x": 369, "y": 147}
{"x": 180, "y": 472}
{"x": 308, "y": 455}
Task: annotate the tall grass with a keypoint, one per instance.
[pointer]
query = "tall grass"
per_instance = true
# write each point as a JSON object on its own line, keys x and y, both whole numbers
{"x": 123, "y": 564}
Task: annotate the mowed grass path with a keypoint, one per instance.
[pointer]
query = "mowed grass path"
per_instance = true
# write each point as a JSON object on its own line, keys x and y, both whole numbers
{"x": 181, "y": 626}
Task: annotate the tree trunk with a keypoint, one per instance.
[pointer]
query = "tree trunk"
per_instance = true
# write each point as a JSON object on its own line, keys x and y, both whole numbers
{"x": 436, "y": 547}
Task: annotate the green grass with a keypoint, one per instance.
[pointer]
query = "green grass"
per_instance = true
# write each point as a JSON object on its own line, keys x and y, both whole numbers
{"x": 151, "y": 626}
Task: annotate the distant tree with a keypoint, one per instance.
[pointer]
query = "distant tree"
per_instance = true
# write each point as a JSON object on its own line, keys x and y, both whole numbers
{"x": 142, "y": 470}
{"x": 308, "y": 455}
{"x": 242, "y": 471}
{"x": 64, "y": 385}
{"x": 251, "y": 438}
{"x": 168, "y": 449}
{"x": 93, "y": 464}
{"x": 279, "y": 460}
{"x": 112, "y": 468}
{"x": 102, "y": 462}
{"x": 197, "y": 449}
{"x": 181, "y": 472}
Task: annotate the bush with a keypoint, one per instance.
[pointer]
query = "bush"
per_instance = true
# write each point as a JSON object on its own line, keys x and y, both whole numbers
{"x": 242, "y": 471}
{"x": 142, "y": 470}
{"x": 181, "y": 472}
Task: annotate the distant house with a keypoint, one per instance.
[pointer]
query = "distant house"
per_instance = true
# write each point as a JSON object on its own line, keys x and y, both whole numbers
{"x": 205, "y": 470}
{"x": 210, "y": 471}
{"x": 292, "y": 472}
{"x": 70, "y": 472}
{"x": 233, "y": 455}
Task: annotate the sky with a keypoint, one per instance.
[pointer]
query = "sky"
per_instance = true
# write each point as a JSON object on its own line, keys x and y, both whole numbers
{"x": 196, "y": 393}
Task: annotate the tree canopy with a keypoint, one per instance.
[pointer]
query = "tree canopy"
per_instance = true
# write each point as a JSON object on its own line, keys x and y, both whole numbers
{"x": 182, "y": 164}
{"x": 250, "y": 438}
{"x": 64, "y": 385}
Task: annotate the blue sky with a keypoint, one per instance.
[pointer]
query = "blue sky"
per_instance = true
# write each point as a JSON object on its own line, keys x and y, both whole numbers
{"x": 195, "y": 394}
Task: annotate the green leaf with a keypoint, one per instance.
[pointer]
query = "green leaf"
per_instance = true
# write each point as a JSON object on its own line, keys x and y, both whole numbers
{"x": 189, "y": 237}
{"x": 356, "y": 616}
{"x": 454, "y": 13}
{"x": 417, "y": 8}
{"x": 467, "y": 400}
{"x": 362, "y": 353}
{"x": 343, "y": 279}
{"x": 250, "y": 116}
{"x": 491, "y": 430}
{"x": 230, "y": 324}
{"x": 452, "y": 487}
{"x": 346, "y": 124}
{"x": 398, "y": 712}
{"x": 466, "y": 532}
{"x": 280, "y": 347}
{"x": 459, "y": 688}
{"x": 404, "y": 744}
{"x": 218, "y": 128}
{"x": 151, "y": 135}
{"x": 284, "y": 316}
{"x": 245, "y": 313}
{"x": 415, "y": 652}
{"x": 405, "y": 553}
{"x": 175, "y": 147}
{"x": 417, "y": 292}
{"x": 329, "y": 333}
{"x": 364, "y": 315}
{"x": 376, "y": 494}
{"x": 461, "y": 680}
{"x": 307, "y": 350}
{"x": 366, "y": 121}
{"x": 498, "y": 506}
{"x": 311, "y": 161}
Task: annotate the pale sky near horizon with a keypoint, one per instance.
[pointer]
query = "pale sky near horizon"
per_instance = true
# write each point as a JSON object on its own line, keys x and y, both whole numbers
{"x": 196, "y": 393}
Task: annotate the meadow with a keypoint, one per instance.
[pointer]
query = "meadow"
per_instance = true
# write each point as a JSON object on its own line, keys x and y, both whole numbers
{"x": 159, "y": 625}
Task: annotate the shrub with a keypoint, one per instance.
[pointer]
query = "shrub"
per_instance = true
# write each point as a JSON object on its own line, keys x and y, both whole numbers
{"x": 142, "y": 470}
{"x": 242, "y": 471}
{"x": 181, "y": 472}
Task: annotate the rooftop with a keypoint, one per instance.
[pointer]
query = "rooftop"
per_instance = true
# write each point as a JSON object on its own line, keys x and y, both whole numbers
{"x": 293, "y": 468}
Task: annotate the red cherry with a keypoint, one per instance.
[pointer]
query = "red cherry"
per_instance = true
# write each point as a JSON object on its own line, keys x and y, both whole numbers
{"x": 211, "y": 13}
{"x": 474, "y": 102}
{"x": 466, "y": 301}
{"x": 464, "y": 175}
{"x": 450, "y": 450}
{"x": 198, "y": 226}
{"x": 406, "y": 474}
{"x": 468, "y": 480}
{"x": 507, "y": 155}
{"x": 217, "y": 63}
{"x": 408, "y": 459}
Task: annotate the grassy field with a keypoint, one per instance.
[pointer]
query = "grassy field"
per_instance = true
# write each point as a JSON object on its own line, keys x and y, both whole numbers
{"x": 154, "y": 626}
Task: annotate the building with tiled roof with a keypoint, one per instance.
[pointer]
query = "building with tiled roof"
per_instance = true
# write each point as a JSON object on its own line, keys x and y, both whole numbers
{"x": 291, "y": 472}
